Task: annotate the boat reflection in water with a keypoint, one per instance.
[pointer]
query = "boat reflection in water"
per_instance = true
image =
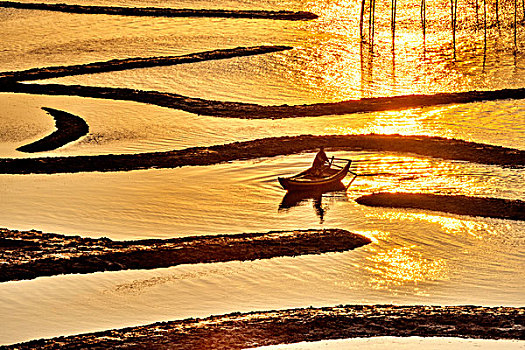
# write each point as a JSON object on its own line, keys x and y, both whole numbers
{"x": 295, "y": 198}
{"x": 313, "y": 182}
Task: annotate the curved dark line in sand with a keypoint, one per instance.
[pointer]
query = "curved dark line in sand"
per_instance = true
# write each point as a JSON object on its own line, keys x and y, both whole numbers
{"x": 427, "y": 146}
{"x": 246, "y": 330}
{"x": 462, "y": 205}
{"x": 163, "y": 12}
{"x": 69, "y": 128}
{"x": 30, "y": 254}
{"x": 137, "y": 62}
{"x": 255, "y": 111}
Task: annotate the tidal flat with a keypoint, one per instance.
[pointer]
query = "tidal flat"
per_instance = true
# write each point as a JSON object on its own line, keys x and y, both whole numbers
{"x": 194, "y": 109}
{"x": 30, "y": 254}
{"x": 242, "y": 330}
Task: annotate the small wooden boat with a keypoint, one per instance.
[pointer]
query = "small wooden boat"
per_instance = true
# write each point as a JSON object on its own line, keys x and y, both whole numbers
{"x": 306, "y": 181}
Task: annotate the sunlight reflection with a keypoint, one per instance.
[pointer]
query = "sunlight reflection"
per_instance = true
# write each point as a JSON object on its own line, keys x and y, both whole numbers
{"x": 394, "y": 173}
{"x": 337, "y": 65}
{"x": 449, "y": 225}
{"x": 398, "y": 122}
{"x": 402, "y": 266}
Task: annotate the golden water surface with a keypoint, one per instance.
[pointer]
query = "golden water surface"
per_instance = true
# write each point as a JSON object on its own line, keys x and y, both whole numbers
{"x": 416, "y": 257}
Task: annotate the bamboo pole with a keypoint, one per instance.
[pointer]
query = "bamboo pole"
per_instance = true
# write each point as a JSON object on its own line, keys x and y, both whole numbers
{"x": 484, "y": 33}
{"x": 453, "y": 12}
{"x": 485, "y": 23}
{"x": 515, "y": 26}
{"x": 424, "y": 17}
{"x": 371, "y": 23}
{"x": 452, "y": 26}
{"x": 361, "y": 19}
{"x": 497, "y": 13}
{"x": 393, "y": 22}
{"x": 424, "y": 25}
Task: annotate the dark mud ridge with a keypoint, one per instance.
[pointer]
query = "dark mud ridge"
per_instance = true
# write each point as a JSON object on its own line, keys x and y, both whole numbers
{"x": 69, "y": 128}
{"x": 29, "y": 254}
{"x": 244, "y": 330}
{"x": 427, "y": 146}
{"x": 455, "y": 204}
{"x": 137, "y": 62}
{"x": 163, "y": 12}
{"x": 255, "y": 111}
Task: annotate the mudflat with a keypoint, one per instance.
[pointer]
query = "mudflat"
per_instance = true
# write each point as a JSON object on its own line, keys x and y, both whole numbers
{"x": 69, "y": 128}
{"x": 428, "y": 146}
{"x": 243, "y": 330}
{"x": 30, "y": 254}
{"x": 456, "y": 204}
{"x": 162, "y": 12}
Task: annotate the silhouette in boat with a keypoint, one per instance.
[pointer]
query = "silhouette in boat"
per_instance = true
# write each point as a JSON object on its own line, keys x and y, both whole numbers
{"x": 312, "y": 183}
{"x": 321, "y": 176}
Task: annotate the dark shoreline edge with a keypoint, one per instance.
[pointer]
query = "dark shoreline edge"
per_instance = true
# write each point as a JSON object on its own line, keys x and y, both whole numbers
{"x": 244, "y": 330}
{"x": 163, "y": 12}
{"x": 31, "y": 254}
{"x": 69, "y": 128}
{"x": 254, "y": 111}
{"x": 456, "y": 204}
{"x": 427, "y": 146}
{"x": 136, "y": 62}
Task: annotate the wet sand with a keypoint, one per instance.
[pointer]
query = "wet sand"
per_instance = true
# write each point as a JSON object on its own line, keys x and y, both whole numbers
{"x": 30, "y": 254}
{"x": 454, "y": 204}
{"x": 163, "y": 12}
{"x": 243, "y": 330}
{"x": 438, "y": 147}
{"x": 69, "y": 128}
{"x": 136, "y": 62}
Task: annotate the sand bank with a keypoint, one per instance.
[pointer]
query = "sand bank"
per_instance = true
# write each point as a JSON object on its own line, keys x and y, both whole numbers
{"x": 136, "y": 62}
{"x": 69, "y": 128}
{"x": 457, "y": 204}
{"x": 255, "y": 111}
{"x": 243, "y": 330}
{"x": 438, "y": 147}
{"x": 163, "y": 12}
{"x": 29, "y": 254}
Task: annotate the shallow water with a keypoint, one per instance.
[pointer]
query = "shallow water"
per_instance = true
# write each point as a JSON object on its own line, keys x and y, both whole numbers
{"x": 417, "y": 257}
{"x": 397, "y": 268}
{"x": 234, "y": 197}
{"x": 327, "y": 64}
{"x": 130, "y": 127}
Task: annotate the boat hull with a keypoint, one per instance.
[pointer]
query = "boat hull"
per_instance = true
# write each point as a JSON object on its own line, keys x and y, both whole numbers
{"x": 296, "y": 183}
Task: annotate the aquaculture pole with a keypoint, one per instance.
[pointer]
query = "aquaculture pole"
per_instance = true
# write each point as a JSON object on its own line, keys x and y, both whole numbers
{"x": 515, "y": 26}
{"x": 484, "y": 32}
{"x": 453, "y": 13}
{"x": 363, "y": 2}
{"x": 393, "y": 22}
{"x": 371, "y": 23}
{"x": 424, "y": 17}
{"x": 497, "y": 13}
